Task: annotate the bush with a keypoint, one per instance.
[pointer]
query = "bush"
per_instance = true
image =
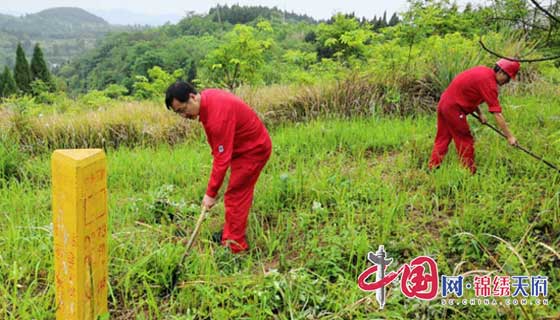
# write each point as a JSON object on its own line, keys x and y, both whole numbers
{"x": 445, "y": 57}
{"x": 21, "y": 104}
{"x": 155, "y": 86}
{"x": 95, "y": 98}
{"x": 115, "y": 91}
{"x": 10, "y": 159}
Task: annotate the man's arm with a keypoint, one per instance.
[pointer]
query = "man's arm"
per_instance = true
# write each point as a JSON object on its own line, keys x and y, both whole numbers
{"x": 503, "y": 125}
{"x": 222, "y": 132}
{"x": 481, "y": 116}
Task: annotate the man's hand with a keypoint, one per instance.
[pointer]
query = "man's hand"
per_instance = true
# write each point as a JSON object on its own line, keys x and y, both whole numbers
{"x": 482, "y": 119}
{"x": 512, "y": 141}
{"x": 502, "y": 124}
{"x": 208, "y": 202}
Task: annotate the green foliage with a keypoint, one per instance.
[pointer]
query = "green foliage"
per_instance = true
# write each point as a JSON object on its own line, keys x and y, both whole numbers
{"x": 7, "y": 83}
{"x": 344, "y": 38}
{"x": 154, "y": 87}
{"x": 511, "y": 12}
{"x": 239, "y": 59}
{"x": 300, "y": 58}
{"x": 21, "y": 105}
{"x": 101, "y": 98}
{"x": 192, "y": 74}
{"x": 122, "y": 57}
{"x": 39, "y": 69}
{"x": 390, "y": 62}
{"x": 119, "y": 58}
{"x": 11, "y": 158}
{"x": 40, "y": 90}
{"x": 115, "y": 91}
{"x": 439, "y": 17}
{"x": 22, "y": 72}
{"x": 237, "y": 14}
{"x": 197, "y": 25}
{"x": 450, "y": 55}
{"x": 95, "y": 99}
{"x": 267, "y": 49}
{"x": 381, "y": 22}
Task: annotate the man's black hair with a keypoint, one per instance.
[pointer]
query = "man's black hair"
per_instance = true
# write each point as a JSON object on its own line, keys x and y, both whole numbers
{"x": 497, "y": 68}
{"x": 180, "y": 90}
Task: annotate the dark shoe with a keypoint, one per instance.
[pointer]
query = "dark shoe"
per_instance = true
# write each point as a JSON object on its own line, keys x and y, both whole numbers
{"x": 217, "y": 237}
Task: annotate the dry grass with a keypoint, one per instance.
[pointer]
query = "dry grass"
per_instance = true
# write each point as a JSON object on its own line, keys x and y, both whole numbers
{"x": 148, "y": 123}
{"x": 126, "y": 124}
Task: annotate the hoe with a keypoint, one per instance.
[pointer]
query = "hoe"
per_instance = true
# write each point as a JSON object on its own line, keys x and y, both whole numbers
{"x": 527, "y": 151}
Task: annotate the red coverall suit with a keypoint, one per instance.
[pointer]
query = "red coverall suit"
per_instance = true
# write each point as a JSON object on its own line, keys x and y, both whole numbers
{"x": 467, "y": 90}
{"x": 238, "y": 139}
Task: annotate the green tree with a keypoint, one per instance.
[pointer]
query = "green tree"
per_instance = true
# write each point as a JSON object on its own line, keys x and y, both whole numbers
{"x": 8, "y": 84}
{"x": 440, "y": 17}
{"x": 39, "y": 70}
{"x": 22, "y": 72}
{"x": 394, "y": 20}
{"x": 191, "y": 75}
{"x": 156, "y": 84}
{"x": 342, "y": 38}
{"x": 238, "y": 60}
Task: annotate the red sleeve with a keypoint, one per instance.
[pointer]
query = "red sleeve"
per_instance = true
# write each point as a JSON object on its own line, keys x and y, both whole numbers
{"x": 489, "y": 93}
{"x": 221, "y": 142}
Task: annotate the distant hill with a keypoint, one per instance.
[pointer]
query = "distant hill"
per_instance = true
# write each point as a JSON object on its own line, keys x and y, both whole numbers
{"x": 63, "y": 33}
{"x": 245, "y": 14}
{"x": 71, "y": 15}
{"x": 54, "y": 23}
{"x": 120, "y": 57}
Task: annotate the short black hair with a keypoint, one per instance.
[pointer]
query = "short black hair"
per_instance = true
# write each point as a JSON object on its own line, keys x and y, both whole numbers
{"x": 180, "y": 90}
{"x": 497, "y": 69}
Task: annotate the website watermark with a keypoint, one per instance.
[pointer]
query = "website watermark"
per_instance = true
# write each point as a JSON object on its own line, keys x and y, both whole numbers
{"x": 420, "y": 279}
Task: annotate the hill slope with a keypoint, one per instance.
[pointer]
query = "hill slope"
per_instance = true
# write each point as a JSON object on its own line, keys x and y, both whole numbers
{"x": 62, "y": 32}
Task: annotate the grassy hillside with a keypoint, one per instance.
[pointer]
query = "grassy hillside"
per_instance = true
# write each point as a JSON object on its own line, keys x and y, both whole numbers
{"x": 333, "y": 191}
{"x": 350, "y": 105}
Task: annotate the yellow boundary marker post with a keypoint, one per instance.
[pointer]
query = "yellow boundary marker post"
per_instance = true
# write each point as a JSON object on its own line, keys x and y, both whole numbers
{"x": 79, "y": 188}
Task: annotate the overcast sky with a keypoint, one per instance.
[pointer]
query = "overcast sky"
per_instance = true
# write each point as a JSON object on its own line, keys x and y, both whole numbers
{"x": 316, "y": 8}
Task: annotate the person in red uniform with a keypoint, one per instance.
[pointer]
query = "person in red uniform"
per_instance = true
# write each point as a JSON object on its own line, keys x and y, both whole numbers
{"x": 239, "y": 140}
{"x": 463, "y": 97}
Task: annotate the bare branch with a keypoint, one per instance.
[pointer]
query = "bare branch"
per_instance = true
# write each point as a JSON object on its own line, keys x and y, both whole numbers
{"x": 550, "y": 15}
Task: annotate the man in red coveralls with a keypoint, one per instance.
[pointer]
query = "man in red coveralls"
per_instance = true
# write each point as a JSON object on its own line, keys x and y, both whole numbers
{"x": 463, "y": 96}
{"x": 238, "y": 140}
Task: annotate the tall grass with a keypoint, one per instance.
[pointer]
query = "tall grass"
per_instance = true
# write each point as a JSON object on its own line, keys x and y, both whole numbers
{"x": 126, "y": 124}
{"x": 10, "y": 158}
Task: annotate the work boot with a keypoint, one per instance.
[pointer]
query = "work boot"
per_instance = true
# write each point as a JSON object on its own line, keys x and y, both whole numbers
{"x": 217, "y": 237}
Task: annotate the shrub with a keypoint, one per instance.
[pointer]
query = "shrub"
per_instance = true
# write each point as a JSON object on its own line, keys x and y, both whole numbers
{"x": 11, "y": 159}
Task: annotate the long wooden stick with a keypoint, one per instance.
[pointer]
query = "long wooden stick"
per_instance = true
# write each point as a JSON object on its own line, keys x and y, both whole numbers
{"x": 175, "y": 275}
{"x": 201, "y": 218}
{"x": 527, "y": 151}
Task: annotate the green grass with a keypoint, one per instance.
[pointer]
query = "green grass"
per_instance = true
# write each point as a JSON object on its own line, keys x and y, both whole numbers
{"x": 333, "y": 191}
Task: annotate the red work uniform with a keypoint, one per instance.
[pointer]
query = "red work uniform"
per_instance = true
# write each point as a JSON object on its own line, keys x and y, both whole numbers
{"x": 238, "y": 140}
{"x": 465, "y": 93}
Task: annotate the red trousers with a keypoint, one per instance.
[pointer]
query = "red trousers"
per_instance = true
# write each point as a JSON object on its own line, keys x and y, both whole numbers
{"x": 238, "y": 199}
{"x": 452, "y": 124}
